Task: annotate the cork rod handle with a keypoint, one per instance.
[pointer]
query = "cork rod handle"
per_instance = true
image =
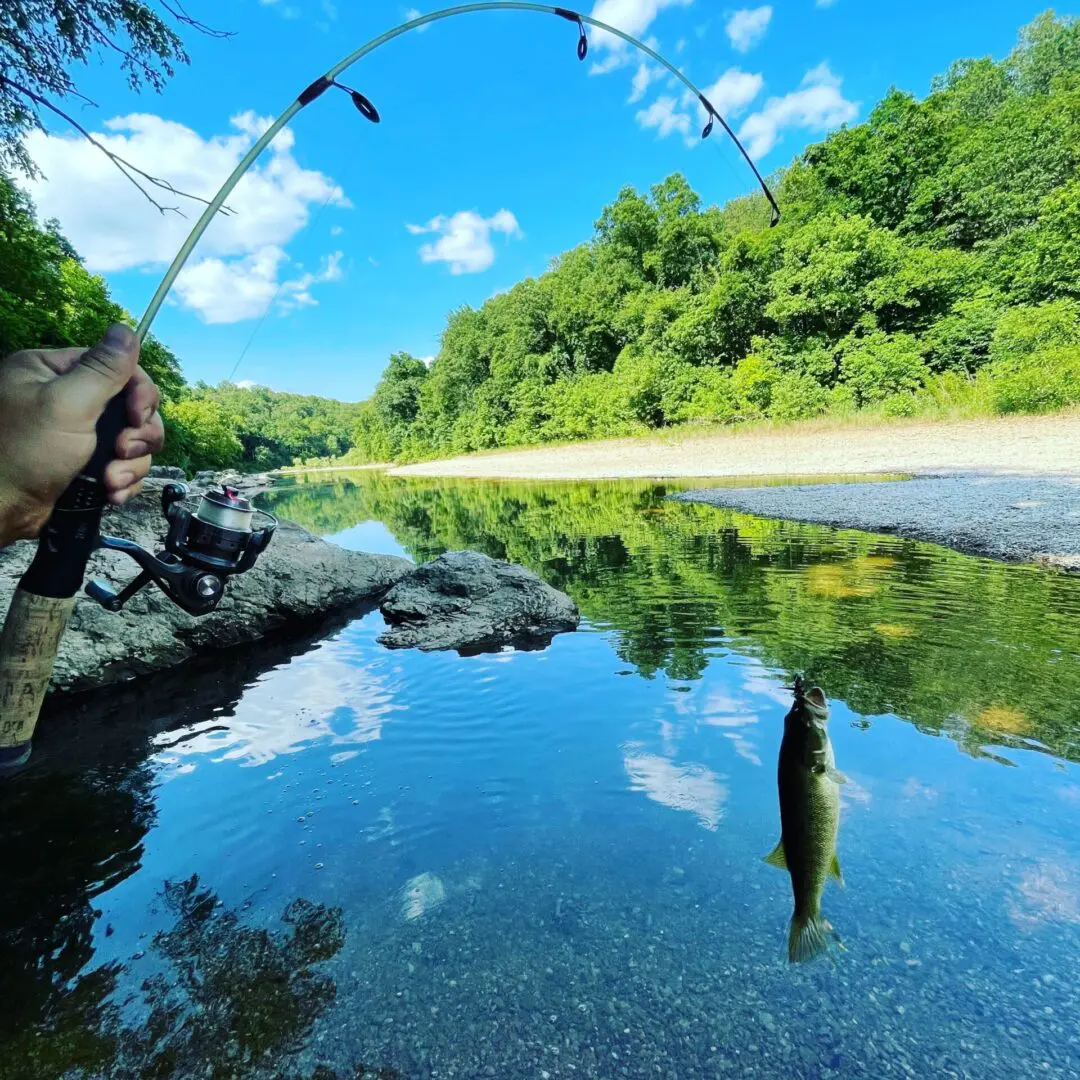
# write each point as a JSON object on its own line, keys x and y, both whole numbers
{"x": 28, "y": 645}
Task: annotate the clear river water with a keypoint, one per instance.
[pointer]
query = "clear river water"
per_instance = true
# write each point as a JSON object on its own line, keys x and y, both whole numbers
{"x": 322, "y": 859}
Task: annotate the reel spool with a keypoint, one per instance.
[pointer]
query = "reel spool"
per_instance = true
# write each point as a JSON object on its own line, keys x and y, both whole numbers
{"x": 203, "y": 548}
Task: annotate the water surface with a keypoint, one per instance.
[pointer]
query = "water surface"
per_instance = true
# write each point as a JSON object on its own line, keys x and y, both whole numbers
{"x": 323, "y": 858}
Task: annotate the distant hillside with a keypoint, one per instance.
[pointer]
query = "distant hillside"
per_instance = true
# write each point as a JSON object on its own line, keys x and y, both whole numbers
{"x": 48, "y": 298}
{"x": 928, "y": 259}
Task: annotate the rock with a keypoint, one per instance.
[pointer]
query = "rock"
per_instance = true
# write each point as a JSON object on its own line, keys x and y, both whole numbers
{"x": 464, "y": 600}
{"x": 421, "y": 894}
{"x": 297, "y": 581}
{"x": 247, "y": 484}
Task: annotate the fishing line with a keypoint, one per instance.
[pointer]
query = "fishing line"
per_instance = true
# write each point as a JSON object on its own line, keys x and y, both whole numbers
{"x": 368, "y": 110}
{"x": 274, "y": 299}
{"x": 725, "y": 156}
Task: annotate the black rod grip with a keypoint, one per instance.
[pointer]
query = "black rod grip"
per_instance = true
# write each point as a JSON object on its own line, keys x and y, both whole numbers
{"x": 71, "y": 533}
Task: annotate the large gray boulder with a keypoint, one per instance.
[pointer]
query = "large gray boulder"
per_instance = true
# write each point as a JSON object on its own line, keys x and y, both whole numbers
{"x": 467, "y": 601}
{"x": 297, "y": 581}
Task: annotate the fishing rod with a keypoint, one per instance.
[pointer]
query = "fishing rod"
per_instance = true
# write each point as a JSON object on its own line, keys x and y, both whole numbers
{"x": 204, "y": 547}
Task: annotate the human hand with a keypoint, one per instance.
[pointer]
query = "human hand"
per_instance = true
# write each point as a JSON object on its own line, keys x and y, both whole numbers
{"x": 50, "y": 402}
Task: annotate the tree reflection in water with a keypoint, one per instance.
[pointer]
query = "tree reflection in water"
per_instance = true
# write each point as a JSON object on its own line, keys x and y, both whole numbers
{"x": 223, "y": 999}
{"x": 977, "y": 650}
{"x": 226, "y": 1000}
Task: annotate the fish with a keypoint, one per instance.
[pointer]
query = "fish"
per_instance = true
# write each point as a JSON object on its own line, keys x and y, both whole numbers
{"x": 809, "y": 786}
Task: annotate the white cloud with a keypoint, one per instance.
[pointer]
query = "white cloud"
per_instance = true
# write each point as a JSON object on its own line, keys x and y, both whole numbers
{"x": 247, "y": 384}
{"x": 464, "y": 239}
{"x": 822, "y": 75}
{"x": 228, "y": 291}
{"x": 680, "y": 45}
{"x": 645, "y": 75}
{"x": 116, "y": 229}
{"x": 747, "y": 27}
{"x": 288, "y": 11}
{"x": 330, "y": 14}
{"x": 415, "y": 13}
{"x": 731, "y": 93}
{"x": 818, "y": 106}
{"x": 825, "y": 3}
{"x": 336, "y": 230}
{"x": 689, "y": 787}
{"x": 633, "y": 17}
{"x": 322, "y": 698}
{"x": 664, "y": 115}
{"x": 427, "y": 361}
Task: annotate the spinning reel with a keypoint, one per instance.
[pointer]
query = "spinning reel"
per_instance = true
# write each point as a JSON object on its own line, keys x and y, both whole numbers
{"x": 203, "y": 549}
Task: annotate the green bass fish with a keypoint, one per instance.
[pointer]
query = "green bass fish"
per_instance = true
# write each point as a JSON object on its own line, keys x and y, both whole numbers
{"x": 809, "y": 819}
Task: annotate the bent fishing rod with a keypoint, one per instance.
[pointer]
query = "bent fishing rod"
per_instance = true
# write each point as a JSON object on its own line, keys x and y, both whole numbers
{"x": 207, "y": 545}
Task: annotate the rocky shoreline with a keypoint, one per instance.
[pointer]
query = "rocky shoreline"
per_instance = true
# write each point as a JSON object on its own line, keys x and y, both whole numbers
{"x": 1011, "y": 518}
{"x": 467, "y": 602}
{"x": 299, "y": 580}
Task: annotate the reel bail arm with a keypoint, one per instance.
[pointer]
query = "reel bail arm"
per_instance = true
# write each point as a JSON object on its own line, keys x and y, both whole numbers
{"x": 203, "y": 549}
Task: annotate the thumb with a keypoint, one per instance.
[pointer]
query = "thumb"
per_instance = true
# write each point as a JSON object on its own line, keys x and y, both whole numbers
{"x": 102, "y": 371}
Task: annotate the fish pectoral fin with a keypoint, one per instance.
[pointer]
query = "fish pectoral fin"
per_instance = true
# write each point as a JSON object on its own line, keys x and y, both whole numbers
{"x": 834, "y": 869}
{"x": 835, "y": 775}
{"x": 776, "y": 857}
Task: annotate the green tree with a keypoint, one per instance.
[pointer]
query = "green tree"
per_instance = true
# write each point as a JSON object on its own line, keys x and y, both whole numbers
{"x": 880, "y": 365}
{"x": 48, "y": 298}
{"x": 43, "y": 41}
{"x": 200, "y": 434}
{"x": 396, "y": 401}
{"x": 30, "y": 281}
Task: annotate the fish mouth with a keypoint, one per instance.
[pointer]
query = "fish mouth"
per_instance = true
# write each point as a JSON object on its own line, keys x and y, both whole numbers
{"x": 814, "y": 698}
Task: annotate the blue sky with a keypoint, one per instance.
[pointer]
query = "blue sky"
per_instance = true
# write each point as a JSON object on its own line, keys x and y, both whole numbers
{"x": 497, "y": 151}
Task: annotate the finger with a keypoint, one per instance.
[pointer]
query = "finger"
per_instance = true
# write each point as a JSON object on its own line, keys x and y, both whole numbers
{"x": 123, "y": 474}
{"x": 101, "y": 372}
{"x": 143, "y": 398}
{"x": 148, "y": 438}
{"x": 118, "y": 498}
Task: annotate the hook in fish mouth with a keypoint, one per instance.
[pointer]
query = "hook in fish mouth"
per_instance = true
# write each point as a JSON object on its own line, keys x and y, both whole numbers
{"x": 798, "y": 687}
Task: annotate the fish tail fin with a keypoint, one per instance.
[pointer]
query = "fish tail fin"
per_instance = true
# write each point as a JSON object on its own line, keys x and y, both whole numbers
{"x": 808, "y": 937}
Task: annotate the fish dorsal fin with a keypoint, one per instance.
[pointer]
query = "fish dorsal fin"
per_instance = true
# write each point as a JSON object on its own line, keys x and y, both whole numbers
{"x": 776, "y": 857}
{"x": 834, "y": 869}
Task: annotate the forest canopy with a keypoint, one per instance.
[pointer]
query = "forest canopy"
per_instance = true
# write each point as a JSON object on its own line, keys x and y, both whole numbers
{"x": 928, "y": 258}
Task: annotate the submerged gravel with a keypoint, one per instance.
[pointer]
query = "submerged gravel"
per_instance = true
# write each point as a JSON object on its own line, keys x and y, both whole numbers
{"x": 1014, "y": 518}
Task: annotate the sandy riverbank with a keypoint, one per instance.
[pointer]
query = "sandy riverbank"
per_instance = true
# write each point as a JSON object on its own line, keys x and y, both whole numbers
{"x": 1024, "y": 444}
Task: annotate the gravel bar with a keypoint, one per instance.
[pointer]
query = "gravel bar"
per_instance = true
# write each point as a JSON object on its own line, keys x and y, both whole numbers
{"x": 1013, "y": 518}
